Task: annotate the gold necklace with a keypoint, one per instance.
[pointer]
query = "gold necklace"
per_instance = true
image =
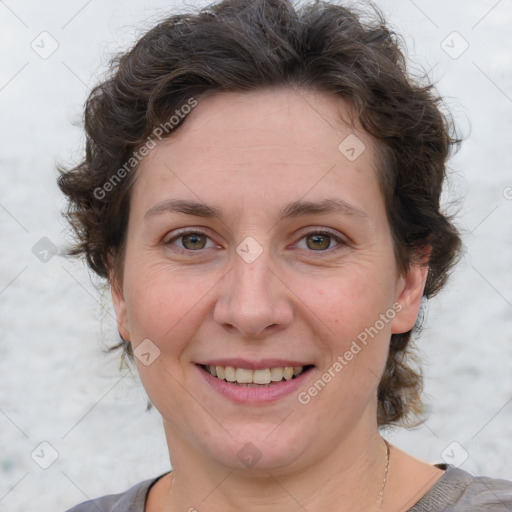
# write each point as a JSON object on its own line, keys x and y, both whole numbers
{"x": 380, "y": 499}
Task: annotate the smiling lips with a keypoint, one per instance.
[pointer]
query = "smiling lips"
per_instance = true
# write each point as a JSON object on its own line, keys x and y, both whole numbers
{"x": 248, "y": 377}
{"x": 254, "y": 383}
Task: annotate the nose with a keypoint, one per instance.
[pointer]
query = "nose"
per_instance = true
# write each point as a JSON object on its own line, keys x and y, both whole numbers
{"x": 253, "y": 299}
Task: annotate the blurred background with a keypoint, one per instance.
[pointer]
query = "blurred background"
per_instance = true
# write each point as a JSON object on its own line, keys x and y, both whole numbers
{"x": 73, "y": 425}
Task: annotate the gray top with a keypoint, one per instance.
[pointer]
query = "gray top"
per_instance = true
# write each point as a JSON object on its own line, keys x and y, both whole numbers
{"x": 455, "y": 491}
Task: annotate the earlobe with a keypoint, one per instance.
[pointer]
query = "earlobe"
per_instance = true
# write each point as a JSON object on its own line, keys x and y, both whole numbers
{"x": 410, "y": 293}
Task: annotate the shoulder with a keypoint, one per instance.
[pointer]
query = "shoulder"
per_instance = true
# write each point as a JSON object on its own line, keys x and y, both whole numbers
{"x": 460, "y": 491}
{"x": 486, "y": 494}
{"x": 132, "y": 500}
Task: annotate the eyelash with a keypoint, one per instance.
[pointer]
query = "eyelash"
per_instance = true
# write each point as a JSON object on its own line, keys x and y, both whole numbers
{"x": 325, "y": 232}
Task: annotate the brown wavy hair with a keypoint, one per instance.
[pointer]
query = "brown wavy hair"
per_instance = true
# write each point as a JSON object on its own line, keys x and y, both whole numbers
{"x": 243, "y": 45}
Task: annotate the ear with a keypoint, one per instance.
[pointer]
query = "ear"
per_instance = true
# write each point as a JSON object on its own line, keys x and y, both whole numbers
{"x": 116, "y": 290}
{"x": 410, "y": 292}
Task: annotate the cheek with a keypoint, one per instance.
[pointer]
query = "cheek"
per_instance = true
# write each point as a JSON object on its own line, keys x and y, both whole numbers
{"x": 350, "y": 301}
{"x": 348, "y": 309}
{"x": 162, "y": 302}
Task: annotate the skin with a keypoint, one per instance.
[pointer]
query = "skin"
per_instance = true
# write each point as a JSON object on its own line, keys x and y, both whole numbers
{"x": 250, "y": 154}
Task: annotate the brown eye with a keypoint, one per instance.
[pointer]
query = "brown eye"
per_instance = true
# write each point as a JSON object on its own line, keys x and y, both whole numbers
{"x": 318, "y": 241}
{"x": 194, "y": 241}
{"x": 321, "y": 241}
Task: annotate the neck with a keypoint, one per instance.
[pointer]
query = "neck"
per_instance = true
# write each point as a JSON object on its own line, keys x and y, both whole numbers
{"x": 347, "y": 478}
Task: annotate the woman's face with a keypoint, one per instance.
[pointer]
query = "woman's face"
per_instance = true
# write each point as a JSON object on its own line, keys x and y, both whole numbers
{"x": 258, "y": 240}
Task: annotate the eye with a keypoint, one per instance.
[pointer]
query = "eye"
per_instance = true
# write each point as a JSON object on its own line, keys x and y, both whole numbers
{"x": 191, "y": 240}
{"x": 316, "y": 241}
{"x": 320, "y": 241}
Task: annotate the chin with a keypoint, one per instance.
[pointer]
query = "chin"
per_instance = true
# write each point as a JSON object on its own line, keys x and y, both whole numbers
{"x": 258, "y": 448}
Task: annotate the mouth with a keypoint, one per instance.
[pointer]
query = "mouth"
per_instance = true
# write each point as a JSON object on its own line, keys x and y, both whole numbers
{"x": 260, "y": 378}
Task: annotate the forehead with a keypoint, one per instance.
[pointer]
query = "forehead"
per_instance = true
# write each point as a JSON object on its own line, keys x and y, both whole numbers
{"x": 274, "y": 142}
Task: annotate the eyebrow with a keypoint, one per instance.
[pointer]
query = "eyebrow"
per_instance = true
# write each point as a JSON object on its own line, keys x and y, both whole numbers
{"x": 182, "y": 206}
{"x": 334, "y": 205}
{"x": 292, "y": 210}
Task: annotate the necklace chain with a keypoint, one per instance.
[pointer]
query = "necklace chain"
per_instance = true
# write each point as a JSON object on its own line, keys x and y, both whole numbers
{"x": 380, "y": 499}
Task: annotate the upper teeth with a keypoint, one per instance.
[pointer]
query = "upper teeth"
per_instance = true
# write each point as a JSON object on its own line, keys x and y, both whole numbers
{"x": 245, "y": 376}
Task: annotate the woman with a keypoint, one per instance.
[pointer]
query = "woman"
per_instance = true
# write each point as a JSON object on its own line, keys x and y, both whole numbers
{"x": 261, "y": 189}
